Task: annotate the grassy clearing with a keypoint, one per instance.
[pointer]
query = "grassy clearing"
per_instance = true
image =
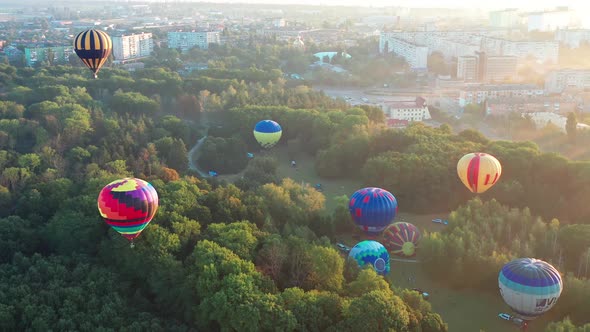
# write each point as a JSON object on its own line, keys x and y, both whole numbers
{"x": 305, "y": 173}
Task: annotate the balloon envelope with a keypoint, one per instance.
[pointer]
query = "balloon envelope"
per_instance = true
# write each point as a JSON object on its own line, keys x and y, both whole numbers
{"x": 267, "y": 133}
{"x": 373, "y": 253}
{"x": 479, "y": 171}
{"x": 372, "y": 209}
{"x": 93, "y": 47}
{"x": 128, "y": 205}
{"x": 401, "y": 238}
{"x": 530, "y": 286}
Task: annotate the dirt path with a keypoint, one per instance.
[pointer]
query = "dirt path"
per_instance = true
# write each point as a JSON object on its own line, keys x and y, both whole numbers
{"x": 193, "y": 156}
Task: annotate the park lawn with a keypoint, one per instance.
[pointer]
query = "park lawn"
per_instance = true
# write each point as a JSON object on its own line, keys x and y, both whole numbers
{"x": 305, "y": 173}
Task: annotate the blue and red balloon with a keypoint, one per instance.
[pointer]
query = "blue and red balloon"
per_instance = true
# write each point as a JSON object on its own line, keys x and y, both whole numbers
{"x": 372, "y": 209}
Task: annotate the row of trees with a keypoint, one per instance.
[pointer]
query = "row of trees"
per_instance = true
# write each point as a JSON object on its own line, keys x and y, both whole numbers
{"x": 483, "y": 237}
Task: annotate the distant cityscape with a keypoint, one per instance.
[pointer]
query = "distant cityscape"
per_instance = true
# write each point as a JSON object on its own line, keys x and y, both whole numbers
{"x": 490, "y": 57}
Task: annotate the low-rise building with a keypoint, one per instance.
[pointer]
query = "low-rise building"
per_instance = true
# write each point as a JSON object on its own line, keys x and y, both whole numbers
{"x": 410, "y": 110}
{"x": 500, "y": 106}
{"x": 478, "y": 93}
{"x": 51, "y": 54}
{"x": 573, "y": 37}
{"x": 558, "y": 80}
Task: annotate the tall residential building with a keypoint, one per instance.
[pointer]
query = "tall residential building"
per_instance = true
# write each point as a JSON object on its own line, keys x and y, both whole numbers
{"x": 496, "y": 68}
{"x": 59, "y": 54}
{"x": 485, "y": 68}
{"x": 132, "y": 46}
{"x": 506, "y": 18}
{"x": 467, "y": 68}
{"x": 185, "y": 40}
{"x": 558, "y": 80}
{"x": 415, "y": 55}
{"x": 573, "y": 37}
{"x": 550, "y": 20}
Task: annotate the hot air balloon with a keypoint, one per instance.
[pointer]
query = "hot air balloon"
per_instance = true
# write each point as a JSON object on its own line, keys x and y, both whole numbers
{"x": 128, "y": 205}
{"x": 372, "y": 209}
{"x": 373, "y": 253}
{"x": 267, "y": 133}
{"x": 93, "y": 47}
{"x": 530, "y": 286}
{"x": 401, "y": 238}
{"x": 479, "y": 171}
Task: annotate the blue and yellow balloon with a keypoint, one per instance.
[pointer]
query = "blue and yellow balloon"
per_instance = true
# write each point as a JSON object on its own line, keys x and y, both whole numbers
{"x": 267, "y": 133}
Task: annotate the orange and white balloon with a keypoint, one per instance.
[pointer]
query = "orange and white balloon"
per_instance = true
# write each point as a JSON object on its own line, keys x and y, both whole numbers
{"x": 479, "y": 171}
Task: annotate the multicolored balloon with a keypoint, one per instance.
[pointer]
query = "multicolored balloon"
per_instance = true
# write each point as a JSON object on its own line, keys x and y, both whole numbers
{"x": 267, "y": 133}
{"x": 479, "y": 171}
{"x": 373, "y": 253}
{"x": 402, "y": 238}
{"x": 372, "y": 209}
{"x": 128, "y": 205}
{"x": 530, "y": 286}
{"x": 93, "y": 47}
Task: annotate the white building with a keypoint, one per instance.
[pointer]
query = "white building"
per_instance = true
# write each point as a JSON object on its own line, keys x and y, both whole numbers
{"x": 506, "y": 18}
{"x": 133, "y": 46}
{"x": 478, "y": 93}
{"x": 573, "y": 37}
{"x": 558, "y": 80}
{"x": 415, "y": 55}
{"x": 185, "y": 40}
{"x": 541, "y": 119}
{"x": 549, "y": 20}
{"x": 415, "y": 110}
{"x": 543, "y": 51}
{"x": 467, "y": 68}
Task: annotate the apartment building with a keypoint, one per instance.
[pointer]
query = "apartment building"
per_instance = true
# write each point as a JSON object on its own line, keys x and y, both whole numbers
{"x": 478, "y": 93}
{"x": 573, "y": 37}
{"x": 58, "y": 54}
{"x": 132, "y": 46}
{"x": 185, "y": 40}
{"x": 558, "y": 80}
{"x": 467, "y": 68}
{"x": 415, "y": 55}
{"x": 544, "y": 51}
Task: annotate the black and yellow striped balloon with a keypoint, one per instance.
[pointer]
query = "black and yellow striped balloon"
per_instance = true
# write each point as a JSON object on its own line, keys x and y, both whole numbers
{"x": 93, "y": 47}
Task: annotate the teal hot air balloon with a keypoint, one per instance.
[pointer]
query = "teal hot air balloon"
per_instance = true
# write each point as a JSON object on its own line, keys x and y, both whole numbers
{"x": 530, "y": 286}
{"x": 267, "y": 133}
{"x": 372, "y": 253}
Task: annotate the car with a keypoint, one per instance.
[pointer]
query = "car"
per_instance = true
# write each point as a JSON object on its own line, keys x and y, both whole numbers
{"x": 343, "y": 247}
{"x": 515, "y": 320}
{"x": 423, "y": 293}
{"x": 440, "y": 221}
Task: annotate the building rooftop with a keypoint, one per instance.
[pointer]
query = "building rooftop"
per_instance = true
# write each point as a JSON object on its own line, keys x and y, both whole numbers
{"x": 498, "y": 87}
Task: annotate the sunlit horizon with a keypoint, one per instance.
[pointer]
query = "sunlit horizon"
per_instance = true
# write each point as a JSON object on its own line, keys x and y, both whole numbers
{"x": 492, "y": 5}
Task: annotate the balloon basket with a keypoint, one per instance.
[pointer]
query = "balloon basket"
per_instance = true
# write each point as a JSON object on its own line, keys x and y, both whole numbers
{"x": 132, "y": 245}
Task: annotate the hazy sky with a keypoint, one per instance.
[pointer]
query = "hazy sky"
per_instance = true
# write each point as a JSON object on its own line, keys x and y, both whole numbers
{"x": 494, "y": 4}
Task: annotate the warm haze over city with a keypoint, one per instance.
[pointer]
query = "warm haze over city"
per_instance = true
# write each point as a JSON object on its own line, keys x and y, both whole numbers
{"x": 297, "y": 165}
